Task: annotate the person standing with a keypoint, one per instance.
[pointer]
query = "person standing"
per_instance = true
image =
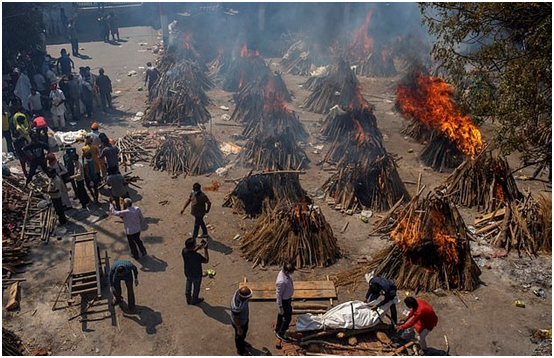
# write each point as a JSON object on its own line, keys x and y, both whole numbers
{"x": 123, "y": 270}
{"x": 35, "y": 152}
{"x": 86, "y": 97}
{"x": 110, "y": 154}
{"x": 132, "y": 221}
{"x": 34, "y": 103}
{"x": 193, "y": 269}
{"x": 378, "y": 286}
{"x": 55, "y": 185}
{"x": 6, "y": 131}
{"x": 41, "y": 128}
{"x": 79, "y": 177}
{"x": 72, "y": 32}
{"x": 64, "y": 63}
{"x": 62, "y": 172}
{"x": 105, "y": 88}
{"x": 284, "y": 286}
{"x": 422, "y": 316}
{"x": 95, "y": 134}
{"x": 240, "y": 317}
{"x": 104, "y": 27}
{"x": 113, "y": 23}
{"x": 63, "y": 20}
{"x": 22, "y": 88}
{"x": 92, "y": 175}
{"x": 152, "y": 75}
{"x": 119, "y": 189}
{"x": 200, "y": 206}
{"x": 74, "y": 97}
{"x": 58, "y": 106}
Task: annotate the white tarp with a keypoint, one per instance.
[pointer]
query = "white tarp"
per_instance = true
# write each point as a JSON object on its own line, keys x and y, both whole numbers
{"x": 348, "y": 315}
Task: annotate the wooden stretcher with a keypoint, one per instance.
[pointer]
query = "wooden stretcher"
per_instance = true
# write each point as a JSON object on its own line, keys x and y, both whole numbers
{"x": 86, "y": 266}
{"x": 302, "y": 290}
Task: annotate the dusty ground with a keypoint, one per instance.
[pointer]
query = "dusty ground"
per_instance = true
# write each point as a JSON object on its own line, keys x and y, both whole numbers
{"x": 165, "y": 325}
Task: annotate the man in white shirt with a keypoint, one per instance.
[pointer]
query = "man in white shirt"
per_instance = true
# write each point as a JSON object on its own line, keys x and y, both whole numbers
{"x": 58, "y": 106}
{"x": 34, "y": 103}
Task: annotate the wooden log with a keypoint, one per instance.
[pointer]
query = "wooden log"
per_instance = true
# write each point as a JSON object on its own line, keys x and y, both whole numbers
{"x": 13, "y": 301}
{"x": 304, "y": 311}
{"x": 321, "y": 334}
{"x": 316, "y": 306}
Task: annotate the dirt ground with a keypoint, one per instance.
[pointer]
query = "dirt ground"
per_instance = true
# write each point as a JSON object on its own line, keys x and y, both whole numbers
{"x": 483, "y": 322}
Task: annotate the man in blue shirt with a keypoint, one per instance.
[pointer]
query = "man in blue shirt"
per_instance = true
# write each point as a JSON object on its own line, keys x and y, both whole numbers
{"x": 240, "y": 318}
{"x": 378, "y": 286}
{"x": 123, "y": 270}
{"x": 65, "y": 63}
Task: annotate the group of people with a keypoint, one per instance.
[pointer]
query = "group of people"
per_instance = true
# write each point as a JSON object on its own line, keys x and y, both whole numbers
{"x": 109, "y": 24}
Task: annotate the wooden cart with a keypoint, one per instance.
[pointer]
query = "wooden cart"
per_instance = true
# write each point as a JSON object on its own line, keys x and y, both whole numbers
{"x": 86, "y": 266}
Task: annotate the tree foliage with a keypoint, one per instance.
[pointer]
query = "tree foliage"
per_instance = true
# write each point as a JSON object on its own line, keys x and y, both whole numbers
{"x": 21, "y": 27}
{"x": 498, "y": 56}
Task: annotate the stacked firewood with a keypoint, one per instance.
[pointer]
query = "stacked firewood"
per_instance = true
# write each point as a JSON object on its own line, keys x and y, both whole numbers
{"x": 367, "y": 176}
{"x": 11, "y": 343}
{"x": 420, "y": 132}
{"x": 179, "y": 96}
{"x": 243, "y": 70}
{"x": 486, "y": 182}
{"x": 188, "y": 155}
{"x": 303, "y": 56}
{"x": 524, "y": 225}
{"x": 218, "y": 67}
{"x": 130, "y": 150}
{"x": 442, "y": 154}
{"x": 295, "y": 233}
{"x": 430, "y": 248}
{"x": 251, "y": 99}
{"x": 184, "y": 52}
{"x": 339, "y": 87}
{"x": 253, "y": 191}
{"x": 377, "y": 64}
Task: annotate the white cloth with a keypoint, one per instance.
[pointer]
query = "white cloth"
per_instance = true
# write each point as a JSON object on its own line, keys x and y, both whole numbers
{"x": 34, "y": 102}
{"x": 23, "y": 89}
{"x": 349, "y": 315}
{"x": 40, "y": 82}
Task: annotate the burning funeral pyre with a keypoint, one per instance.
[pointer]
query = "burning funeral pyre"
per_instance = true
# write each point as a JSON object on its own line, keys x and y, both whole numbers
{"x": 189, "y": 155}
{"x": 367, "y": 177}
{"x": 430, "y": 249}
{"x": 485, "y": 182}
{"x": 428, "y": 103}
{"x": 366, "y": 58}
{"x": 289, "y": 228}
{"x": 176, "y": 54}
{"x": 244, "y": 69}
{"x": 273, "y": 133}
{"x": 339, "y": 87}
{"x": 179, "y": 96}
{"x": 218, "y": 67}
{"x": 304, "y": 56}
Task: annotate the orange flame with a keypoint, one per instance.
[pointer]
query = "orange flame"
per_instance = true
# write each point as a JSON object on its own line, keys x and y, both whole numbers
{"x": 360, "y": 136}
{"x": 244, "y": 52}
{"x": 431, "y": 103}
{"x": 362, "y": 44}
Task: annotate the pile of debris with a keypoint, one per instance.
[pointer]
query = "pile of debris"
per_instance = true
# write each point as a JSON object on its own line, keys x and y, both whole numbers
{"x": 339, "y": 87}
{"x": 430, "y": 248}
{"x": 524, "y": 225}
{"x": 254, "y": 190}
{"x": 244, "y": 69}
{"x": 131, "y": 151}
{"x": 194, "y": 154}
{"x": 11, "y": 343}
{"x": 486, "y": 182}
{"x": 291, "y": 232}
{"x": 179, "y": 96}
{"x": 427, "y": 102}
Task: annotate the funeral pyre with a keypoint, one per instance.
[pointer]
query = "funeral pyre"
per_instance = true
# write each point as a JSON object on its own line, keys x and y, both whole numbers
{"x": 244, "y": 69}
{"x": 179, "y": 96}
{"x": 427, "y": 101}
{"x": 189, "y": 154}
{"x": 289, "y": 228}
{"x": 339, "y": 87}
{"x": 430, "y": 248}
{"x": 303, "y": 56}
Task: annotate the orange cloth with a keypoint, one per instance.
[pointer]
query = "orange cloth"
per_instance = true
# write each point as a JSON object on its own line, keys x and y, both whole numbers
{"x": 95, "y": 155}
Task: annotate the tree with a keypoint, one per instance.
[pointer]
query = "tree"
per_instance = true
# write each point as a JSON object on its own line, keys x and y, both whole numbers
{"x": 498, "y": 57}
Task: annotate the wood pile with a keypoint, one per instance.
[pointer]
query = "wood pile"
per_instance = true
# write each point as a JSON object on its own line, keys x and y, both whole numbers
{"x": 291, "y": 233}
{"x": 175, "y": 54}
{"x": 339, "y": 87}
{"x": 244, "y": 69}
{"x": 254, "y": 190}
{"x": 219, "y": 66}
{"x": 303, "y": 56}
{"x": 486, "y": 182}
{"x": 377, "y": 64}
{"x": 524, "y": 225}
{"x": 442, "y": 154}
{"x": 430, "y": 248}
{"x": 420, "y": 132}
{"x": 251, "y": 99}
{"x": 11, "y": 343}
{"x": 131, "y": 151}
{"x": 179, "y": 97}
{"x": 189, "y": 155}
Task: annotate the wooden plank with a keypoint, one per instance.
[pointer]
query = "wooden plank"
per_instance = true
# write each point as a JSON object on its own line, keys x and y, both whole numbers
{"x": 298, "y": 294}
{"x": 298, "y": 285}
{"x": 494, "y": 215}
{"x": 13, "y": 302}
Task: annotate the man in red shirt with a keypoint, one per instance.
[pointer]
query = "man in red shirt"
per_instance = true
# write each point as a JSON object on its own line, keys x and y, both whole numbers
{"x": 423, "y": 319}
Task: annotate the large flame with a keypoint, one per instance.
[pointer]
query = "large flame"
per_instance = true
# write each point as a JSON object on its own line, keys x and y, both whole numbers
{"x": 430, "y": 102}
{"x": 362, "y": 43}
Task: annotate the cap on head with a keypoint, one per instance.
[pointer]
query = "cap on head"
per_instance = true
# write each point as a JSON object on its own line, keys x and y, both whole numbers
{"x": 190, "y": 243}
{"x": 94, "y": 125}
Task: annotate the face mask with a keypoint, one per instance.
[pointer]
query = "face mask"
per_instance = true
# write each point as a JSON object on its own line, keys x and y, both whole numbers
{"x": 194, "y": 192}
